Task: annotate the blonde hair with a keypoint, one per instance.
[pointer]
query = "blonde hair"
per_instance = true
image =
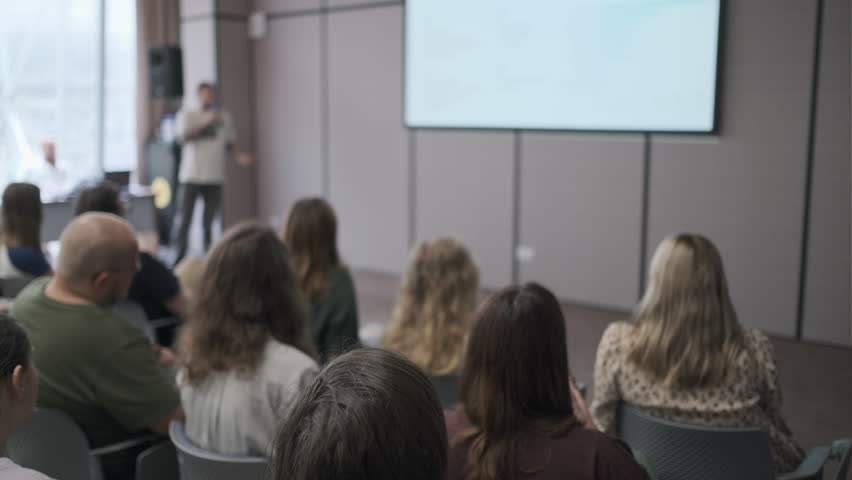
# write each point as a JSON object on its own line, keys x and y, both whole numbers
{"x": 435, "y": 307}
{"x": 687, "y": 334}
{"x": 190, "y": 272}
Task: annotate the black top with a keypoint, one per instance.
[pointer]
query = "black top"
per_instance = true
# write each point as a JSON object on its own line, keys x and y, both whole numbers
{"x": 153, "y": 285}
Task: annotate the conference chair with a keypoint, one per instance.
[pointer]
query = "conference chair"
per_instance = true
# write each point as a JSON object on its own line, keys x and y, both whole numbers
{"x": 447, "y": 388}
{"x": 199, "y": 464}
{"x": 11, "y": 287}
{"x": 53, "y": 444}
{"x": 135, "y": 314}
{"x": 675, "y": 451}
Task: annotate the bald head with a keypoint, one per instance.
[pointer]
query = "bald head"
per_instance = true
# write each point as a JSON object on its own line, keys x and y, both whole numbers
{"x": 94, "y": 243}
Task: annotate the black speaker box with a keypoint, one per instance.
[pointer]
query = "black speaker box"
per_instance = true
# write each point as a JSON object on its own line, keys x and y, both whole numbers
{"x": 165, "y": 67}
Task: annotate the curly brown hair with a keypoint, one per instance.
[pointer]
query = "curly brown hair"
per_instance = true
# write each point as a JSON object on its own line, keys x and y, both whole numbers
{"x": 248, "y": 294}
{"x": 435, "y": 307}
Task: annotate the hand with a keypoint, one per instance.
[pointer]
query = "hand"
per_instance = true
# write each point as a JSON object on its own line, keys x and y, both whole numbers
{"x": 245, "y": 159}
{"x": 165, "y": 356}
{"x": 581, "y": 411}
{"x": 210, "y": 118}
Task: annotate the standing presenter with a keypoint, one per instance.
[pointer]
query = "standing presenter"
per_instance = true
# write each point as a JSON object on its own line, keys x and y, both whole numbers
{"x": 207, "y": 134}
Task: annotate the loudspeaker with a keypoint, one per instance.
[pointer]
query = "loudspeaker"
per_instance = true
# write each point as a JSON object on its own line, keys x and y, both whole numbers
{"x": 165, "y": 67}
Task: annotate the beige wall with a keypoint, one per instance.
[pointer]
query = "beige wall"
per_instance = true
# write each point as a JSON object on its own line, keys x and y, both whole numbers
{"x": 589, "y": 207}
{"x": 216, "y": 48}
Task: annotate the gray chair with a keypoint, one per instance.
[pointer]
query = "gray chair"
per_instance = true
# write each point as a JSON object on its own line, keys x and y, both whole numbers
{"x": 135, "y": 315}
{"x": 50, "y": 442}
{"x": 54, "y": 432}
{"x": 199, "y": 464}
{"x": 11, "y": 287}
{"x": 158, "y": 462}
{"x": 447, "y": 388}
{"x": 676, "y": 451}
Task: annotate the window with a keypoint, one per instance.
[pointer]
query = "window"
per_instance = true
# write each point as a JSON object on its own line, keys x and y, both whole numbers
{"x": 57, "y": 62}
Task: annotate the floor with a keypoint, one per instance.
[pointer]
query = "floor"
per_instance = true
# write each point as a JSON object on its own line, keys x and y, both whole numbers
{"x": 816, "y": 380}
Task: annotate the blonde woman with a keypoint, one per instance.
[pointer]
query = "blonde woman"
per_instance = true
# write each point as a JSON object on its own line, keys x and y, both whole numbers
{"x": 686, "y": 357}
{"x": 434, "y": 311}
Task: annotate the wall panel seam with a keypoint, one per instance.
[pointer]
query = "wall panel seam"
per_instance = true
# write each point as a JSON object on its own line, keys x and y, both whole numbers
{"x": 809, "y": 168}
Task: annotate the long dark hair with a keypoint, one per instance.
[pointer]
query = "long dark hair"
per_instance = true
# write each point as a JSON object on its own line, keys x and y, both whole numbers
{"x": 14, "y": 347}
{"x": 22, "y": 215}
{"x": 370, "y": 415}
{"x": 515, "y": 379}
{"x": 248, "y": 295}
{"x": 311, "y": 239}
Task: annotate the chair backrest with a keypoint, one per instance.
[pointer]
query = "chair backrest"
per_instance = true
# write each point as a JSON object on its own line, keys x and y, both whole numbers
{"x": 135, "y": 314}
{"x": 447, "y": 387}
{"x": 11, "y": 287}
{"x": 52, "y": 443}
{"x": 158, "y": 462}
{"x": 843, "y": 450}
{"x": 200, "y": 464}
{"x": 674, "y": 451}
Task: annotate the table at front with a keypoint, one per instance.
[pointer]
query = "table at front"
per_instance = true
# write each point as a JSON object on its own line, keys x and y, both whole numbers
{"x": 141, "y": 213}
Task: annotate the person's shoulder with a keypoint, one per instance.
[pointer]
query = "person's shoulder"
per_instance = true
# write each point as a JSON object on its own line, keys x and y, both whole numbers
{"x": 616, "y": 332}
{"x": 758, "y": 344}
{"x": 341, "y": 277}
{"x": 456, "y": 420}
{"x": 599, "y": 442}
{"x": 281, "y": 357}
{"x": 29, "y": 260}
{"x": 755, "y": 337}
{"x": 31, "y": 296}
{"x": 10, "y": 470}
{"x": 153, "y": 266}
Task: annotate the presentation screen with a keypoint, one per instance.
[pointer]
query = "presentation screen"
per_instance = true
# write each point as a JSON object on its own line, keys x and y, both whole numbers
{"x": 609, "y": 65}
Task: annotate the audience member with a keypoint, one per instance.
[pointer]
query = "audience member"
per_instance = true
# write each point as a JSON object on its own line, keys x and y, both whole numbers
{"x": 95, "y": 366}
{"x": 246, "y": 356}
{"x": 521, "y": 415}
{"x": 18, "y": 389}
{"x": 20, "y": 249}
{"x": 686, "y": 357}
{"x": 370, "y": 415}
{"x": 434, "y": 311}
{"x": 154, "y": 287}
{"x": 189, "y": 273}
{"x": 311, "y": 239}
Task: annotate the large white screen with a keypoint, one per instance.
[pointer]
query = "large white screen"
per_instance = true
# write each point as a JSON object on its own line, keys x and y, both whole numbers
{"x": 643, "y": 65}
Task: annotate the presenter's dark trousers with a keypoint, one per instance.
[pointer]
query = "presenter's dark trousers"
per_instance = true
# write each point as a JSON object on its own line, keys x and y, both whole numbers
{"x": 212, "y": 197}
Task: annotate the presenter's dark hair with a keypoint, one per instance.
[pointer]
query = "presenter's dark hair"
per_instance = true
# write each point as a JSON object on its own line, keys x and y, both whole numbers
{"x": 204, "y": 86}
{"x": 515, "y": 379}
{"x": 21, "y": 215}
{"x": 103, "y": 197}
{"x": 370, "y": 415}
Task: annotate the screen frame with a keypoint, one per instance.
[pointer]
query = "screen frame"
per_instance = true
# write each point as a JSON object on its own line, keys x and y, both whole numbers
{"x": 717, "y": 90}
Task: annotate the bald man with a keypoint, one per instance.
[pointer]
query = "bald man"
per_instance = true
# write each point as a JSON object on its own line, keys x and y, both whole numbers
{"x": 93, "y": 364}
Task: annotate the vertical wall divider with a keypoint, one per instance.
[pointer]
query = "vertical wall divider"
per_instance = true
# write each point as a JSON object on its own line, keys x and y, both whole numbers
{"x": 101, "y": 125}
{"x": 412, "y": 187}
{"x": 646, "y": 193}
{"x": 516, "y": 204}
{"x": 809, "y": 173}
{"x": 325, "y": 102}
